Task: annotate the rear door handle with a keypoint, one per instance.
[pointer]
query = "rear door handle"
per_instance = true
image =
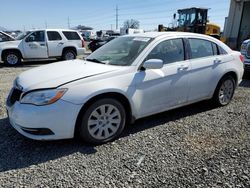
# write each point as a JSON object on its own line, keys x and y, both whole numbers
{"x": 183, "y": 67}
{"x": 217, "y": 61}
{"x": 42, "y": 44}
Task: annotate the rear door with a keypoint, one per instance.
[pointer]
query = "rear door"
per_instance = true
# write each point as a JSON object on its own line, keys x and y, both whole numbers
{"x": 207, "y": 67}
{"x": 55, "y": 43}
{"x": 34, "y": 45}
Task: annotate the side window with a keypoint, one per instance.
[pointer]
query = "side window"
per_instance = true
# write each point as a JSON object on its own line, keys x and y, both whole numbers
{"x": 168, "y": 51}
{"x": 70, "y": 35}
{"x": 37, "y": 36}
{"x": 53, "y": 35}
{"x": 200, "y": 48}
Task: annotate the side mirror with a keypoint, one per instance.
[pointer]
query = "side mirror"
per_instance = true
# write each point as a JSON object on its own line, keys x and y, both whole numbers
{"x": 153, "y": 64}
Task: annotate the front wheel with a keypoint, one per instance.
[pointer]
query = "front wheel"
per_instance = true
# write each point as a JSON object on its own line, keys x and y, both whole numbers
{"x": 69, "y": 55}
{"x": 224, "y": 91}
{"x": 12, "y": 58}
{"x": 103, "y": 121}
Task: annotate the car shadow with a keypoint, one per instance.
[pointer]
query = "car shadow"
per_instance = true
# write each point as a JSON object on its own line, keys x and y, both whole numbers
{"x": 27, "y": 64}
{"x": 18, "y": 152}
{"x": 168, "y": 116}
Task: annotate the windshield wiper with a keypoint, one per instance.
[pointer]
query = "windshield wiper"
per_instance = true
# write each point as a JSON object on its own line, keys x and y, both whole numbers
{"x": 95, "y": 61}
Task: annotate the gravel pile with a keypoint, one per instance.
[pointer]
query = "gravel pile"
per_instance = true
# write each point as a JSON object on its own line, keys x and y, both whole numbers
{"x": 194, "y": 146}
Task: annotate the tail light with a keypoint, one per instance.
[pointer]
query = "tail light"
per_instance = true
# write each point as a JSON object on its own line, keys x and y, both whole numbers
{"x": 83, "y": 43}
{"x": 242, "y": 58}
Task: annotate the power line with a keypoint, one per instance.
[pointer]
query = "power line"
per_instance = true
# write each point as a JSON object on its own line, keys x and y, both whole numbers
{"x": 116, "y": 16}
{"x": 68, "y": 23}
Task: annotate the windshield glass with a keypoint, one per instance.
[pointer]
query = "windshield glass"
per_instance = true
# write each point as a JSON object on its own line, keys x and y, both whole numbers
{"x": 22, "y": 35}
{"x": 121, "y": 51}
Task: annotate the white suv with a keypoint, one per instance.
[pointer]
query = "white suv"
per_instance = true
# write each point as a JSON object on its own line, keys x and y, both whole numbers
{"x": 245, "y": 50}
{"x": 43, "y": 44}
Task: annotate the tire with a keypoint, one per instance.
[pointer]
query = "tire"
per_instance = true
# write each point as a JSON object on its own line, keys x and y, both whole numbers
{"x": 68, "y": 55}
{"x": 12, "y": 58}
{"x": 224, "y": 91}
{"x": 103, "y": 121}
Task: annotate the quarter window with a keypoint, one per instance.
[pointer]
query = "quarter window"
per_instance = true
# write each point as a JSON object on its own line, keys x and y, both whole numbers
{"x": 53, "y": 35}
{"x": 71, "y": 35}
{"x": 222, "y": 51}
{"x": 168, "y": 51}
{"x": 200, "y": 48}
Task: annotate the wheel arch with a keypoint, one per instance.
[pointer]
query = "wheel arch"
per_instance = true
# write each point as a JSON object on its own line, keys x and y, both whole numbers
{"x": 230, "y": 73}
{"x": 69, "y": 48}
{"x": 11, "y": 49}
{"x": 114, "y": 95}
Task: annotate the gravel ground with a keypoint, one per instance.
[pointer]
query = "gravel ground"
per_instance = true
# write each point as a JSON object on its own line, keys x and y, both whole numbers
{"x": 194, "y": 146}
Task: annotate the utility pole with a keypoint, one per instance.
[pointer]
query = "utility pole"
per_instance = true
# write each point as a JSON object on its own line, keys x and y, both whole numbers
{"x": 68, "y": 23}
{"x": 46, "y": 24}
{"x": 111, "y": 27}
{"x": 116, "y": 15}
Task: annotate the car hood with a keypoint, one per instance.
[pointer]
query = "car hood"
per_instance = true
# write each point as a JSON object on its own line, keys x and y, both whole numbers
{"x": 60, "y": 73}
{"x": 12, "y": 44}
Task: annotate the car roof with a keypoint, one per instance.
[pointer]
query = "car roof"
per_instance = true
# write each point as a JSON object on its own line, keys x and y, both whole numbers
{"x": 53, "y": 30}
{"x": 169, "y": 34}
{"x": 158, "y": 35}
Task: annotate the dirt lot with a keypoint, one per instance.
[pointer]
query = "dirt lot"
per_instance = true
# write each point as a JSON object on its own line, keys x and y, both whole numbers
{"x": 194, "y": 146}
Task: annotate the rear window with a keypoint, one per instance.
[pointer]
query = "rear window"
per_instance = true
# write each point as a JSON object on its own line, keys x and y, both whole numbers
{"x": 53, "y": 35}
{"x": 70, "y": 35}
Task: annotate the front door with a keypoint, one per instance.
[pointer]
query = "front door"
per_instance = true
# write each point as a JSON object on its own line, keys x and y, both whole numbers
{"x": 161, "y": 89}
{"x": 34, "y": 45}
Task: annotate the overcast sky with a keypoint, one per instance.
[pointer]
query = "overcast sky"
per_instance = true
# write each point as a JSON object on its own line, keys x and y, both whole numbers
{"x": 100, "y": 14}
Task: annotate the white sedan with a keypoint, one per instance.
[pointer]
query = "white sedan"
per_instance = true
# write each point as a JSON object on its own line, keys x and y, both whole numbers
{"x": 129, "y": 78}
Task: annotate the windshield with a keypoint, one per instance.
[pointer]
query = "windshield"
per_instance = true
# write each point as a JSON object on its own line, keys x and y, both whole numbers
{"x": 22, "y": 35}
{"x": 121, "y": 51}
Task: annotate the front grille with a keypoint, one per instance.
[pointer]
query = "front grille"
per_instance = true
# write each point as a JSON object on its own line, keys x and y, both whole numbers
{"x": 248, "y": 50}
{"x": 14, "y": 96}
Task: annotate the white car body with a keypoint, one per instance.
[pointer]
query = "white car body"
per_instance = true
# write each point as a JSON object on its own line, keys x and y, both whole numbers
{"x": 245, "y": 50}
{"x": 43, "y": 49}
{"x": 148, "y": 92}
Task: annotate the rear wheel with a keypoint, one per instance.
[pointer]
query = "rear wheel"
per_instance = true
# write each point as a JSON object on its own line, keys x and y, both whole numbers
{"x": 12, "y": 58}
{"x": 224, "y": 91}
{"x": 103, "y": 121}
{"x": 69, "y": 55}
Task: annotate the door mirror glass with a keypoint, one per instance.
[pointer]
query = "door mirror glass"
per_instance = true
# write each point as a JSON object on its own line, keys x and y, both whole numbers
{"x": 153, "y": 64}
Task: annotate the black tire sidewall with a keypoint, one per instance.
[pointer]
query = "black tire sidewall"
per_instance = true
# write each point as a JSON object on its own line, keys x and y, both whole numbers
{"x": 68, "y": 51}
{"x": 14, "y": 53}
{"x": 83, "y": 130}
{"x": 216, "y": 94}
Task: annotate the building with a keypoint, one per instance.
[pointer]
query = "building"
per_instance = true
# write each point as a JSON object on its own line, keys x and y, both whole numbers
{"x": 237, "y": 24}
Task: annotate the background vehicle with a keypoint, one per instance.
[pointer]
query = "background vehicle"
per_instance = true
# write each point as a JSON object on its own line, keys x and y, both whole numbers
{"x": 129, "y": 78}
{"x": 193, "y": 20}
{"x": 5, "y": 37}
{"x": 97, "y": 43}
{"x": 43, "y": 44}
{"x": 245, "y": 50}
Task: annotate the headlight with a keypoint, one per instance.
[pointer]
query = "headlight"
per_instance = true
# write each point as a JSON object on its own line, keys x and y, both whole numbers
{"x": 43, "y": 97}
